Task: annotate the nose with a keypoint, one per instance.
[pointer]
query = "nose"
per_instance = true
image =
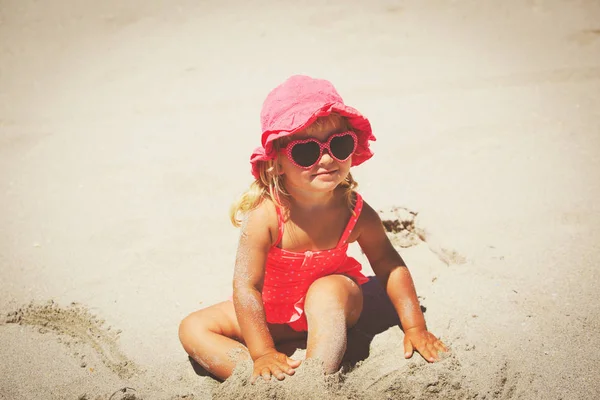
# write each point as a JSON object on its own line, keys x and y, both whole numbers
{"x": 326, "y": 157}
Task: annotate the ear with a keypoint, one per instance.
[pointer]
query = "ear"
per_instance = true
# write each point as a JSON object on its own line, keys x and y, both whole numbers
{"x": 278, "y": 167}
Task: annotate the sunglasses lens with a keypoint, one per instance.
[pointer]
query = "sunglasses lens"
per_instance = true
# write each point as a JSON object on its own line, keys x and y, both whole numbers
{"x": 306, "y": 154}
{"x": 342, "y": 147}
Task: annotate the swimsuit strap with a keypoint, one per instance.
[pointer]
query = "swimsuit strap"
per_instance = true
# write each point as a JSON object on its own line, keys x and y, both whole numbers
{"x": 353, "y": 218}
{"x": 279, "y": 225}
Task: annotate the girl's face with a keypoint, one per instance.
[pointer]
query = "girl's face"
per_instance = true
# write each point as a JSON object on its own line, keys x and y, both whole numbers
{"x": 325, "y": 175}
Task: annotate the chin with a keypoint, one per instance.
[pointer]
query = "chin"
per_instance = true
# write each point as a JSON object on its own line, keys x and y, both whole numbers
{"x": 325, "y": 185}
{"x": 324, "y": 188}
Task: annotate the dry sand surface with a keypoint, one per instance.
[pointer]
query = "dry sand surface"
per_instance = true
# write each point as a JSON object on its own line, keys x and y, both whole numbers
{"x": 125, "y": 132}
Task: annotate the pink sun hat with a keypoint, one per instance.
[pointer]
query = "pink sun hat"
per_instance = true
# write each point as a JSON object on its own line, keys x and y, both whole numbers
{"x": 297, "y": 103}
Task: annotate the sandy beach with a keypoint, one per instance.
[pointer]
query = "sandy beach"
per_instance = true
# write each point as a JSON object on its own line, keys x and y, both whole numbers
{"x": 125, "y": 134}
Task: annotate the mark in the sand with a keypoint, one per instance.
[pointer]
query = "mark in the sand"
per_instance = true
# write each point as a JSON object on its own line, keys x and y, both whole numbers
{"x": 407, "y": 228}
{"x": 80, "y": 329}
{"x": 399, "y": 223}
{"x": 394, "y": 9}
{"x": 586, "y": 36}
{"x": 505, "y": 386}
{"x": 125, "y": 393}
{"x": 415, "y": 380}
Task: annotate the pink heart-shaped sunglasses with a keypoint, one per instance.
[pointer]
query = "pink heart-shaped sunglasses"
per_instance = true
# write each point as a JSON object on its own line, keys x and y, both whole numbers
{"x": 306, "y": 153}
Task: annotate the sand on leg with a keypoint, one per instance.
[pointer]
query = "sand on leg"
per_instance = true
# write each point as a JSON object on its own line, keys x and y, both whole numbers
{"x": 213, "y": 338}
{"x": 333, "y": 304}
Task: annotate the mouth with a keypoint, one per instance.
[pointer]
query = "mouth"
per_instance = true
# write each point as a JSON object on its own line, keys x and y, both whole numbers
{"x": 326, "y": 173}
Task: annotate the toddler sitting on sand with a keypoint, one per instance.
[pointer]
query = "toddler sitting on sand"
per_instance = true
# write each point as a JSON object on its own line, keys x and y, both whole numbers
{"x": 292, "y": 276}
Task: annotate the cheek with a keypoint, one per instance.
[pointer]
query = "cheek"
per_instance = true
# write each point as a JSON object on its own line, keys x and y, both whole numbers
{"x": 284, "y": 163}
{"x": 345, "y": 166}
{"x": 287, "y": 168}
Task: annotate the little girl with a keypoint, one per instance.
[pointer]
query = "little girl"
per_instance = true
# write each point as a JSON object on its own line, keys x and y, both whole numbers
{"x": 292, "y": 276}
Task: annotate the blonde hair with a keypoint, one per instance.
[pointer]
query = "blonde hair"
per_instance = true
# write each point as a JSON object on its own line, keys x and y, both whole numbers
{"x": 270, "y": 185}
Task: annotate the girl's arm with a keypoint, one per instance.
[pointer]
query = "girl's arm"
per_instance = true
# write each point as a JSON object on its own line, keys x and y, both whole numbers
{"x": 395, "y": 277}
{"x": 255, "y": 242}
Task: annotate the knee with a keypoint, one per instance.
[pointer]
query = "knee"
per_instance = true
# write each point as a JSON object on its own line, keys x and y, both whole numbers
{"x": 334, "y": 291}
{"x": 192, "y": 325}
{"x": 185, "y": 327}
{"x": 334, "y": 286}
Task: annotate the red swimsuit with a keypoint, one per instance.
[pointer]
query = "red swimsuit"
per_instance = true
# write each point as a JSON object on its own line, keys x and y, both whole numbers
{"x": 288, "y": 274}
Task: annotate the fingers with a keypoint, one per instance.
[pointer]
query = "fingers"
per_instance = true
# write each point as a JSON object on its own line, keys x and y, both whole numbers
{"x": 277, "y": 365}
{"x": 424, "y": 351}
{"x": 293, "y": 363}
{"x": 287, "y": 367}
{"x": 408, "y": 348}
{"x": 430, "y": 350}
{"x": 426, "y": 344}
{"x": 266, "y": 374}
{"x": 278, "y": 373}
{"x": 440, "y": 346}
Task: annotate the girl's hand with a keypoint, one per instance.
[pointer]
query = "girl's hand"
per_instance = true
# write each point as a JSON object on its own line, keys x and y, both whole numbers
{"x": 424, "y": 342}
{"x": 273, "y": 363}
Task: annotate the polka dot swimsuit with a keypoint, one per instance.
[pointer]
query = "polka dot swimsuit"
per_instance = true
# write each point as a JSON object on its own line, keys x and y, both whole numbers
{"x": 288, "y": 274}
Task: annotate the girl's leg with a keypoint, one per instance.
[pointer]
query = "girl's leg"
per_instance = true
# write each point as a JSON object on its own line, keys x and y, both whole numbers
{"x": 212, "y": 337}
{"x": 333, "y": 304}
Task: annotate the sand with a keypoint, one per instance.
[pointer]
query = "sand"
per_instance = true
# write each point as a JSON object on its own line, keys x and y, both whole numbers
{"x": 125, "y": 131}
